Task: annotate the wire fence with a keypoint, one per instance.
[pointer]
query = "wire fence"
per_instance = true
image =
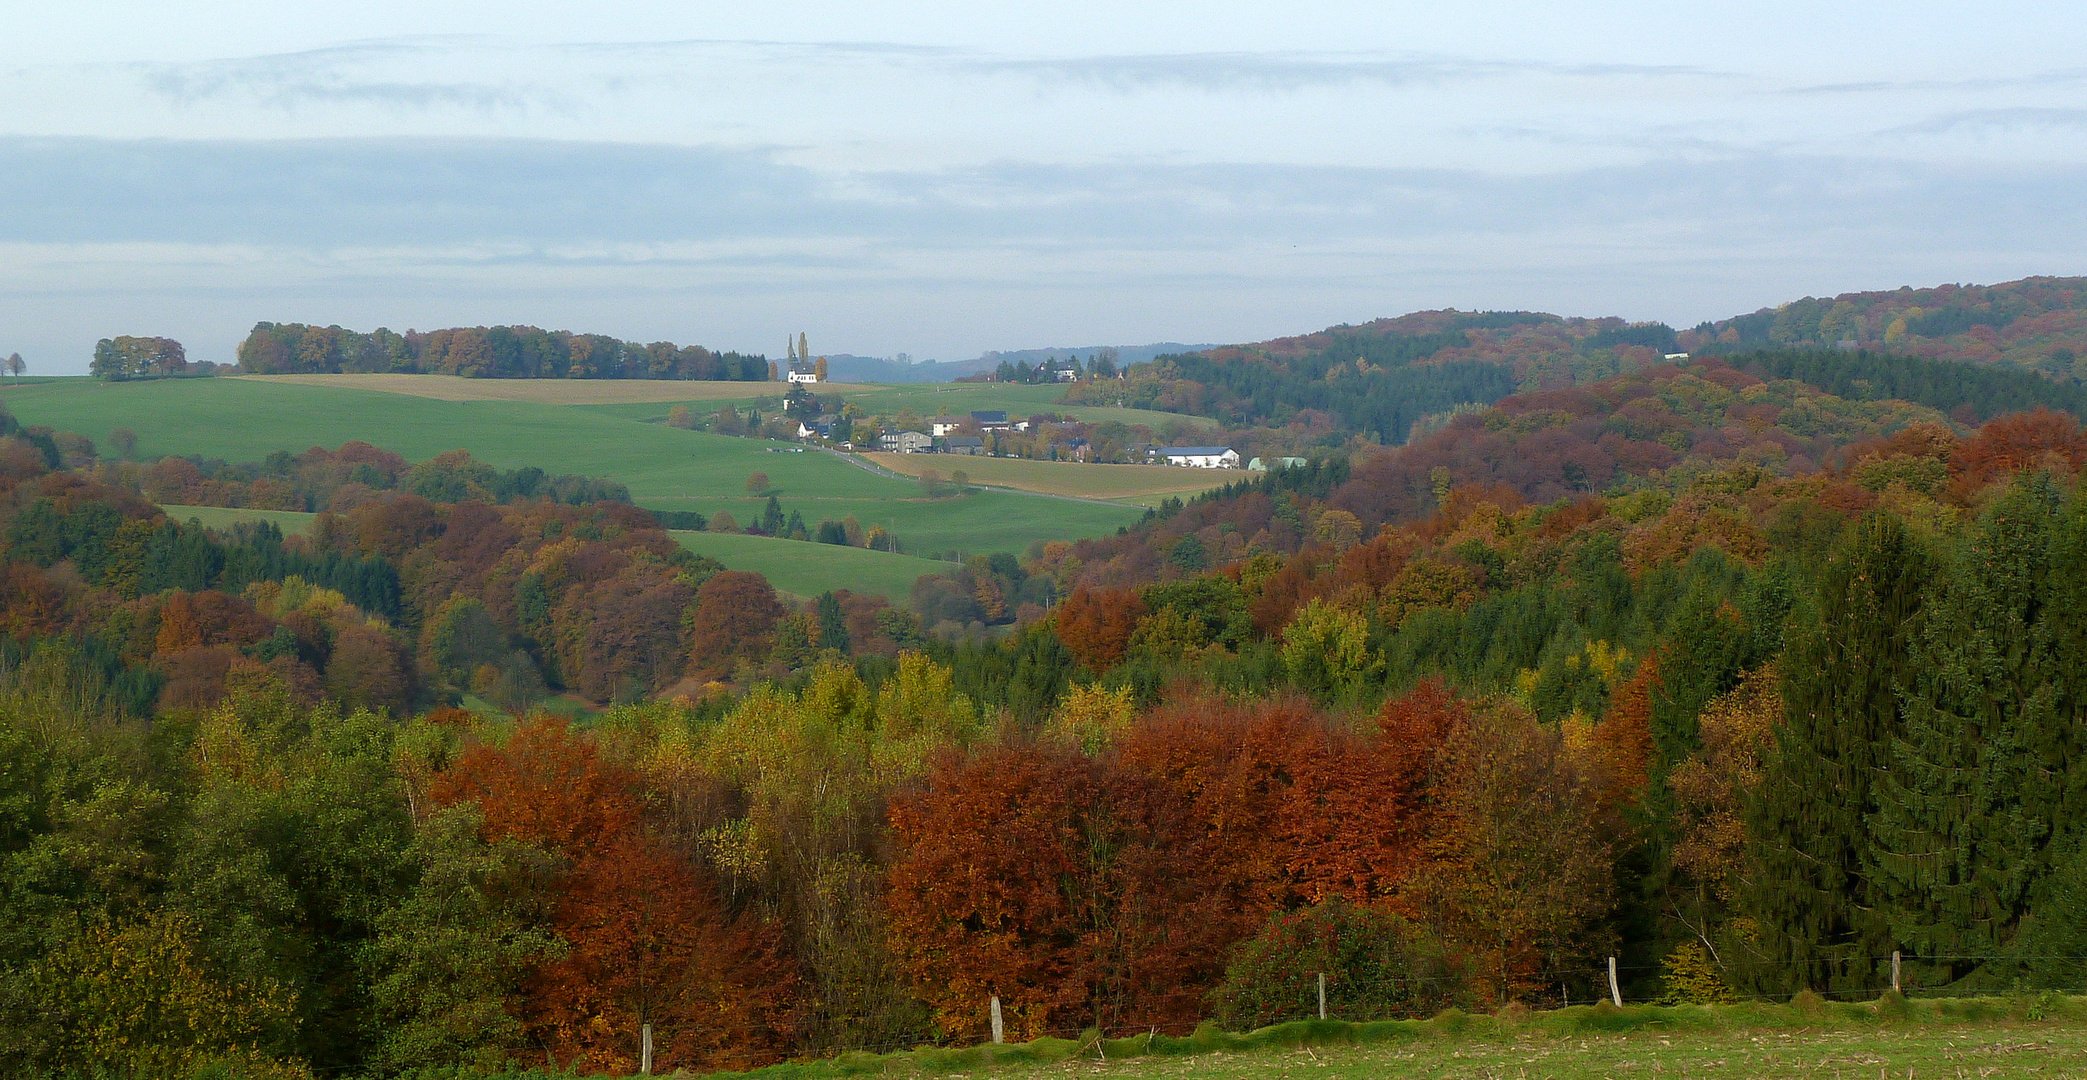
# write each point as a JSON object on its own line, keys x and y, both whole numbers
{"x": 1186, "y": 1009}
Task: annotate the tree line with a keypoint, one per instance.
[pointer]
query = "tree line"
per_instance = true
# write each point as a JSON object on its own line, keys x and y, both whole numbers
{"x": 487, "y": 352}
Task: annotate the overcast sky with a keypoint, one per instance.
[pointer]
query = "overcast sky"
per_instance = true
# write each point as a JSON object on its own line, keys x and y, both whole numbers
{"x": 945, "y": 178}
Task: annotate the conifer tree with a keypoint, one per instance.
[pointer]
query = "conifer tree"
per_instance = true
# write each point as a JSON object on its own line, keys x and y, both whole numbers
{"x": 1965, "y": 806}
{"x": 1807, "y": 825}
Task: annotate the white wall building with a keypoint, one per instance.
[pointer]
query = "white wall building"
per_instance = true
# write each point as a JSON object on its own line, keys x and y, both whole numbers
{"x": 1200, "y": 457}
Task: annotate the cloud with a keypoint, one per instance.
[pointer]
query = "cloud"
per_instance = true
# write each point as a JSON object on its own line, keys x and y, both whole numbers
{"x": 1296, "y": 71}
{"x": 342, "y": 75}
{"x": 1990, "y": 120}
{"x": 523, "y": 195}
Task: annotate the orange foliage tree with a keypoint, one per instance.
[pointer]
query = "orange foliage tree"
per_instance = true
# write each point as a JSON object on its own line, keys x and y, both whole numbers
{"x": 647, "y": 939}
{"x": 1096, "y": 624}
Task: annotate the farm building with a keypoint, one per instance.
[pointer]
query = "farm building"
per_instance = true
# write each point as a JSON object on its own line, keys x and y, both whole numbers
{"x": 905, "y": 442}
{"x": 1198, "y": 457}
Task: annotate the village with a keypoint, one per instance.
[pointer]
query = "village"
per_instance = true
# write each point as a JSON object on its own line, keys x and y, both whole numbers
{"x": 983, "y": 432}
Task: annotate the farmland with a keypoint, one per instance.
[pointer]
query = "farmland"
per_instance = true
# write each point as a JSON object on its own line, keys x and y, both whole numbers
{"x": 1143, "y": 484}
{"x": 803, "y": 570}
{"x": 792, "y": 566}
{"x": 1990, "y": 1039}
{"x": 923, "y": 399}
{"x": 542, "y": 391}
{"x": 245, "y": 419}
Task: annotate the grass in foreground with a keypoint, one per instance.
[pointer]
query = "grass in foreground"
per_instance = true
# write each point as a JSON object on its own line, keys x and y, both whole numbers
{"x": 1990, "y": 1039}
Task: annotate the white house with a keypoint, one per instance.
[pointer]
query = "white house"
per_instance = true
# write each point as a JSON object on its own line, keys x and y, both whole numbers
{"x": 943, "y": 425}
{"x": 807, "y": 377}
{"x": 1200, "y": 457}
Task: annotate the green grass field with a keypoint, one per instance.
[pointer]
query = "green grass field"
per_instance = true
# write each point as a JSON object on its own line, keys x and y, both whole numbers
{"x": 1989, "y": 1039}
{"x": 805, "y": 570}
{"x": 936, "y": 399}
{"x": 666, "y": 468}
{"x": 221, "y": 518}
{"x": 800, "y": 569}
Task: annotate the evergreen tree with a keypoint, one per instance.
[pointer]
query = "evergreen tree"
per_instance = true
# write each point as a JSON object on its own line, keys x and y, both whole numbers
{"x": 1807, "y": 895}
{"x": 1965, "y": 805}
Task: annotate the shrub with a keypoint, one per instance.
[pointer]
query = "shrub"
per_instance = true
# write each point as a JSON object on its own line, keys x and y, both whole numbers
{"x": 1377, "y": 965}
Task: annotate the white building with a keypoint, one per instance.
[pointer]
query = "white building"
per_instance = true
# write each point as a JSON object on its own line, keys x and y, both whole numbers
{"x": 1199, "y": 457}
{"x": 806, "y": 377}
{"x": 944, "y": 425}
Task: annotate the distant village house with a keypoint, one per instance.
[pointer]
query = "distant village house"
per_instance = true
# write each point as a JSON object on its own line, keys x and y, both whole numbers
{"x": 1198, "y": 457}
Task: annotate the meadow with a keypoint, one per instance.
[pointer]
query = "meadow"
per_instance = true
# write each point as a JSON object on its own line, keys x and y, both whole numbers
{"x": 2015, "y": 1038}
{"x": 794, "y": 567}
{"x": 803, "y": 570}
{"x": 244, "y": 419}
{"x": 544, "y": 391}
{"x": 923, "y": 399}
{"x": 1143, "y": 484}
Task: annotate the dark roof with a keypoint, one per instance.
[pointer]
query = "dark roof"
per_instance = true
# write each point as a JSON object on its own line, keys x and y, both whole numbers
{"x": 964, "y": 440}
{"x": 1194, "y": 451}
{"x": 990, "y": 417}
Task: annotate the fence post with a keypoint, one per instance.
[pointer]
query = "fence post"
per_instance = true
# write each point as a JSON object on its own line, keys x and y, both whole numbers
{"x": 1615, "y": 991}
{"x": 999, "y": 1033}
{"x": 645, "y": 1049}
{"x": 1894, "y": 969}
{"x": 1322, "y": 995}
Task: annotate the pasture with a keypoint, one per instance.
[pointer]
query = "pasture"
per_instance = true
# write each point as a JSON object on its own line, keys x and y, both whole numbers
{"x": 222, "y": 518}
{"x": 1142, "y": 484}
{"x": 795, "y": 567}
{"x": 543, "y": 391}
{"x": 804, "y": 570}
{"x": 2017, "y": 1038}
{"x": 245, "y": 419}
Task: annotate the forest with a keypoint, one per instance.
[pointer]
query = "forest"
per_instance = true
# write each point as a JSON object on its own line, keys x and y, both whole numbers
{"x": 1747, "y": 683}
{"x": 1996, "y": 348}
{"x": 486, "y": 352}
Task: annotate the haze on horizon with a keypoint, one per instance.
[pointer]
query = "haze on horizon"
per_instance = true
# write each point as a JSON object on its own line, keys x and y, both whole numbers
{"x": 942, "y": 179}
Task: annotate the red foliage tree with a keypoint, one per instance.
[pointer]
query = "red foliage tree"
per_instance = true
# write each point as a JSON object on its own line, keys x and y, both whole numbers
{"x": 2040, "y": 439}
{"x": 648, "y": 941}
{"x": 1062, "y": 885}
{"x": 1096, "y": 624}
{"x": 736, "y": 613}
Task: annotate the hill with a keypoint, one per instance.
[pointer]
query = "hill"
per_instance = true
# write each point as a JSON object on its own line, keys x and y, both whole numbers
{"x": 2035, "y": 324}
{"x": 1385, "y": 377}
{"x": 665, "y": 468}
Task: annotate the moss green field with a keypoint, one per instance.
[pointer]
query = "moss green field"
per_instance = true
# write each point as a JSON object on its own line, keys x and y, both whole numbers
{"x": 2044, "y": 1037}
{"x": 795, "y": 567}
{"x": 1146, "y": 485}
{"x": 666, "y": 468}
{"x": 805, "y": 570}
{"x": 925, "y": 399}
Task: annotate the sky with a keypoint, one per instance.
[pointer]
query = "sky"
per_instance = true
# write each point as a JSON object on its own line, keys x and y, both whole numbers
{"x": 939, "y": 179}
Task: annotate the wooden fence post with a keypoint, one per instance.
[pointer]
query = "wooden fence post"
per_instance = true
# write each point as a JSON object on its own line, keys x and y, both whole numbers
{"x": 1615, "y": 991}
{"x": 645, "y": 1049}
{"x": 999, "y": 1033}
{"x": 1322, "y": 995}
{"x": 1894, "y": 969}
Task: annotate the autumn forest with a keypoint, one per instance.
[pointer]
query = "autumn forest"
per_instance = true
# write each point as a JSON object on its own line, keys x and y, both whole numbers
{"x": 1750, "y": 668}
